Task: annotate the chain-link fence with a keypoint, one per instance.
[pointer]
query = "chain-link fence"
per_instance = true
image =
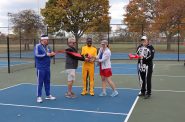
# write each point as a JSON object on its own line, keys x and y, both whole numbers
{"x": 16, "y": 48}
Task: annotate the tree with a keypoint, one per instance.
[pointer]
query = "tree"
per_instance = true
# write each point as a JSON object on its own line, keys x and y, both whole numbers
{"x": 28, "y": 23}
{"x": 170, "y": 14}
{"x": 139, "y": 14}
{"x": 76, "y": 16}
{"x": 156, "y": 16}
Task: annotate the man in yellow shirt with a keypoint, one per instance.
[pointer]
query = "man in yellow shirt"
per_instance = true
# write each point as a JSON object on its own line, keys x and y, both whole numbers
{"x": 88, "y": 67}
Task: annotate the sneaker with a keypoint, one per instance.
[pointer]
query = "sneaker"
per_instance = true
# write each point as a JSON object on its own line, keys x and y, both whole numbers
{"x": 72, "y": 95}
{"x": 50, "y": 97}
{"x": 84, "y": 93}
{"x": 39, "y": 99}
{"x": 114, "y": 93}
{"x": 92, "y": 93}
{"x": 67, "y": 95}
{"x": 102, "y": 94}
{"x": 141, "y": 95}
{"x": 147, "y": 96}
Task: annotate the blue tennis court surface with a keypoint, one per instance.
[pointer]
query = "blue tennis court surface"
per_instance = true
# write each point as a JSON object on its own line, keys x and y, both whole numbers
{"x": 12, "y": 63}
{"x": 18, "y": 104}
{"x": 118, "y": 69}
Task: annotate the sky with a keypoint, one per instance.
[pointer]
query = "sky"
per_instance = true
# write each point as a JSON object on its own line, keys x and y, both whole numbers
{"x": 14, "y": 6}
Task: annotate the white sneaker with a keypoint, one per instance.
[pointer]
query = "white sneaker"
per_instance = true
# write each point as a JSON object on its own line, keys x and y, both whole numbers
{"x": 39, "y": 99}
{"x": 114, "y": 93}
{"x": 50, "y": 97}
{"x": 102, "y": 94}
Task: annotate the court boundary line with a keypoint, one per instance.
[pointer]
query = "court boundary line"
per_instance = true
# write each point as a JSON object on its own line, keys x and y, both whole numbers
{"x": 131, "y": 110}
{"x": 155, "y": 90}
{"x": 154, "y": 75}
{"x": 11, "y": 86}
{"x": 63, "y": 109}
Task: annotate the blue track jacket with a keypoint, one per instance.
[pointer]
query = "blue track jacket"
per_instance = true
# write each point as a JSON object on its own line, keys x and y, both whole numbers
{"x": 41, "y": 58}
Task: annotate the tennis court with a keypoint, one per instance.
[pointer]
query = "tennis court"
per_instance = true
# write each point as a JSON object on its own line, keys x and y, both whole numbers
{"x": 96, "y": 108}
{"x": 166, "y": 104}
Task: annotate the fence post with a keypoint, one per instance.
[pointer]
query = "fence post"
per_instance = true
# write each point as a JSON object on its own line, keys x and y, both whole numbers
{"x": 178, "y": 38}
{"x": 20, "y": 42}
{"x": 53, "y": 40}
{"x": 34, "y": 43}
{"x": 47, "y": 30}
{"x": 8, "y": 53}
{"x": 108, "y": 33}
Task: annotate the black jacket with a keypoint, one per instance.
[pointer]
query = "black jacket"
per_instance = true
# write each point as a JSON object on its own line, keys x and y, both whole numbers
{"x": 71, "y": 60}
{"x": 147, "y": 53}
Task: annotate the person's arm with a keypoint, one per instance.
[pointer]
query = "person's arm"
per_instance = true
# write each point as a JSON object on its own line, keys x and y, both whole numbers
{"x": 99, "y": 52}
{"x": 137, "y": 50}
{"x": 106, "y": 55}
{"x": 38, "y": 52}
{"x": 79, "y": 57}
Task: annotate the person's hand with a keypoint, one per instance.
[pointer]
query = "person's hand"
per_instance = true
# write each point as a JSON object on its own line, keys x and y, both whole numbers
{"x": 86, "y": 59}
{"x": 51, "y": 54}
{"x": 99, "y": 61}
{"x": 92, "y": 59}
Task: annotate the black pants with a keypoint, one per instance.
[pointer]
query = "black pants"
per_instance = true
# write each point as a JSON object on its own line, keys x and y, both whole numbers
{"x": 145, "y": 80}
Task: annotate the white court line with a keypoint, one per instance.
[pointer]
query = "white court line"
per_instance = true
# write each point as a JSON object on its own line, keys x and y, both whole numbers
{"x": 135, "y": 89}
{"x": 12, "y": 86}
{"x": 63, "y": 109}
{"x": 169, "y": 91}
{"x": 172, "y": 76}
{"x": 132, "y": 108}
{"x": 157, "y": 90}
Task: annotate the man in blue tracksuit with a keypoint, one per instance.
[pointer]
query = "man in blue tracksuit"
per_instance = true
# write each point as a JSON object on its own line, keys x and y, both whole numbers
{"x": 43, "y": 55}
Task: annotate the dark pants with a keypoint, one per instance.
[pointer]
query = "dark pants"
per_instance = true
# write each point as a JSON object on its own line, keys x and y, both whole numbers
{"x": 145, "y": 80}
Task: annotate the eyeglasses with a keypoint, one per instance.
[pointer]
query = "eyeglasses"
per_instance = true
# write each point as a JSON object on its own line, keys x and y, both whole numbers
{"x": 89, "y": 42}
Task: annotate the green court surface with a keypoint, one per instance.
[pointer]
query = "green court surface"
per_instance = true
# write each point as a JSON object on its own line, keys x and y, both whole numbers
{"x": 168, "y": 95}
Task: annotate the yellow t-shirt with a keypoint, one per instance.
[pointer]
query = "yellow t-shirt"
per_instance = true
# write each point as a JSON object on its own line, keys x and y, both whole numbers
{"x": 92, "y": 51}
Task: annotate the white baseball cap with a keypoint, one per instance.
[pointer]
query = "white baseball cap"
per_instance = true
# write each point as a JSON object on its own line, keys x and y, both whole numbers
{"x": 104, "y": 42}
{"x": 143, "y": 38}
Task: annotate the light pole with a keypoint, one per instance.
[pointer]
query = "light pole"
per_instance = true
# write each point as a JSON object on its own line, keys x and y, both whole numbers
{"x": 9, "y": 14}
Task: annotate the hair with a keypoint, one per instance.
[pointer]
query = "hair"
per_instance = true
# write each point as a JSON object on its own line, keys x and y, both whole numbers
{"x": 71, "y": 40}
